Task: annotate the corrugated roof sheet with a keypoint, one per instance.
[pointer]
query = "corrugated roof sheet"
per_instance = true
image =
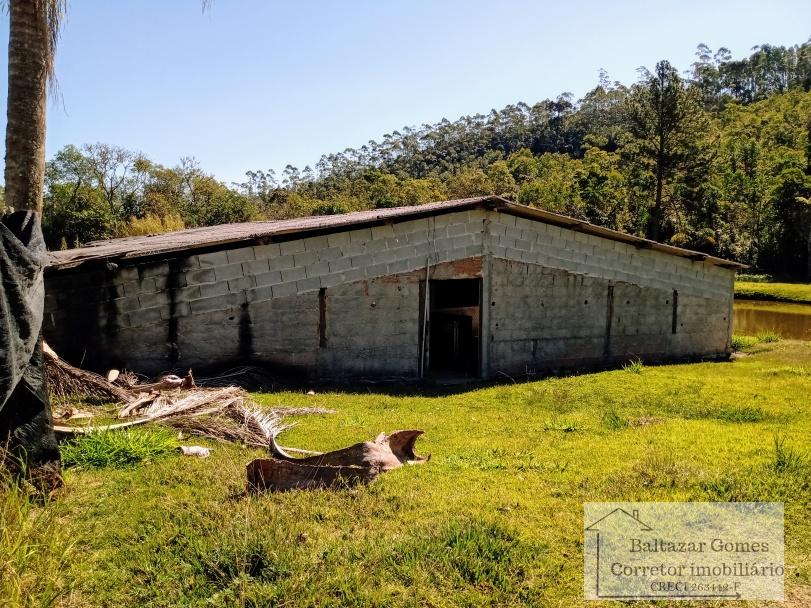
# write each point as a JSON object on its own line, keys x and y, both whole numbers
{"x": 130, "y": 248}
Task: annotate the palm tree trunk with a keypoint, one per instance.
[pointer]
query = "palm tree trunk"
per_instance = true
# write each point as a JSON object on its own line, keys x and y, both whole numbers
{"x": 26, "y": 426}
{"x": 29, "y": 61}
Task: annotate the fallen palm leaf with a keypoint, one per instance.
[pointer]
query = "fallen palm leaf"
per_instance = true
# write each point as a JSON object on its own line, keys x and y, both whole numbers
{"x": 222, "y": 414}
{"x": 140, "y": 402}
{"x": 236, "y": 423}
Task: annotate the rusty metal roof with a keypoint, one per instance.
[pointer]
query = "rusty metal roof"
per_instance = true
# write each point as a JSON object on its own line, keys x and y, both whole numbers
{"x": 135, "y": 247}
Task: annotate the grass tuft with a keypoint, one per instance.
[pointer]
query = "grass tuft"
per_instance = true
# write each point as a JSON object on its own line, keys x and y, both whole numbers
{"x": 747, "y": 343}
{"x": 784, "y": 476}
{"x": 225, "y": 564}
{"x": 726, "y": 413}
{"x": 635, "y": 366}
{"x": 614, "y": 421}
{"x": 118, "y": 448}
{"x": 660, "y": 470}
{"x": 497, "y": 459}
{"x": 484, "y": 557}
{"x": 768, "y": 336}
{"x": 742, "y": 343}
{"x": 743, "y": 413}
{"x": 785, "y": 458}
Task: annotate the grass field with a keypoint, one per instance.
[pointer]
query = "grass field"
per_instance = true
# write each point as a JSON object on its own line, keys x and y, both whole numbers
{"x": 495, "y": 518}
{"x": 780, "y": 292}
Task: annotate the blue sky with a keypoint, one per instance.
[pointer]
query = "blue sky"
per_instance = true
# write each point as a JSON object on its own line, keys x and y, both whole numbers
{"x": 257, "y": 84}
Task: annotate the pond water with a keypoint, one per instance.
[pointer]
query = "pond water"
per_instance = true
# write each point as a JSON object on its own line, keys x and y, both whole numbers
{"x": 792, "y": 321}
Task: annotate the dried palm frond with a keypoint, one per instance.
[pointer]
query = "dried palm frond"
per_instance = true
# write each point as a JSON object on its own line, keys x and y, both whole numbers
{"x": 127, "y": 379}
{"x": 224, "y": 413}
{"x": 242, "y": 425}
{"x": 176, "y": 403}
{"x": 264, "y": 424}
{"x": 66, "y": 381}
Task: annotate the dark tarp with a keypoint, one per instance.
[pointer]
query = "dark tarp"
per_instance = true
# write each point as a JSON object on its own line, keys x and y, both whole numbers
{"x": 25, "y": 418}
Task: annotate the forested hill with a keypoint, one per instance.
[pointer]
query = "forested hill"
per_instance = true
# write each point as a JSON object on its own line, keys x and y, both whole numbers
{"x": 717, "y": 159}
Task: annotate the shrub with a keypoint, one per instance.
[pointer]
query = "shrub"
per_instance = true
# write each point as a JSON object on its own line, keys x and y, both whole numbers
{"x": 77, "y": 219}
{"x": 117, "y": 448}
{"x": 679, "y": 239}
{"x": 328, "y": 209}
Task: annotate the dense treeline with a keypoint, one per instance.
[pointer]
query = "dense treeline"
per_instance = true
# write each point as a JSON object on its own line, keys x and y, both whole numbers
{"x": 717, "y": 160}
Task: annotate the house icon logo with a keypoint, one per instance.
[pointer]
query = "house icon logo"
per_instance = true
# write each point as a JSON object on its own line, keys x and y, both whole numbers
{"x": 615, "y": 515}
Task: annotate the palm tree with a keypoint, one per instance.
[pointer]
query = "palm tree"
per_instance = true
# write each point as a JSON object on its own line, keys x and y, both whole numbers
{"x": 25, "y": 420}
{"x": 33, "y": 33}
{"x": 26, "y": 428}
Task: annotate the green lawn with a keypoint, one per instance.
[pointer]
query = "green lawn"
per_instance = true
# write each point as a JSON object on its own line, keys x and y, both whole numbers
{"x": 495, "y": 518}
{"x": 782, "y": 292}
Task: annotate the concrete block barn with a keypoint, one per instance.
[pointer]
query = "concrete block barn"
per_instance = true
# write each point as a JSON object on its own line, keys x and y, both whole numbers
{"x": 466, "y": 288}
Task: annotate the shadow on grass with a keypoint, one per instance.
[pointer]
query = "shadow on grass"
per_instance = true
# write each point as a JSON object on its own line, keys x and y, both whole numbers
{"x": 263, "y": 380}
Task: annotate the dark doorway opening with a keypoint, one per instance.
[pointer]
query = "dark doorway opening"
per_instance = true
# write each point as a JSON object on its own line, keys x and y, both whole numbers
{"x": 454, "y": 322}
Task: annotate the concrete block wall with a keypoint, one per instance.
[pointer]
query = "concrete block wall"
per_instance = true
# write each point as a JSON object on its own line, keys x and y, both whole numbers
{"x": 254, "y": 302}
{"x": 543, "y": 318}
{"x": 524, "y": 240}
{"x": 261, "y": 303}
{"x": 372, "y": 327}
